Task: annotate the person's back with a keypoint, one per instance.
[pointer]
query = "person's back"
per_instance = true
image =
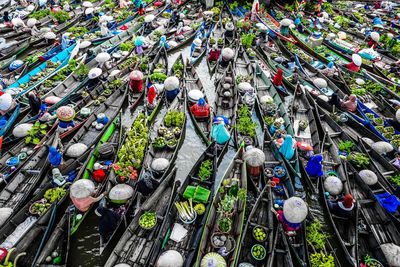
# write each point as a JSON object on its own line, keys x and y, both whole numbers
{"x": 108, "y": 221}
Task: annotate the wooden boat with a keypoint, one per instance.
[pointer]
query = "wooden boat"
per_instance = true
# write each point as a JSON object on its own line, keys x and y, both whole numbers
{"x": 226, "y": 105}
{"x": 193, "y": 82}
{"x": 136, "y": 244}
{"x": 274, "y": 26}
{"x": 243, "y": 67}
{"x": 140, "y": 123}
{"x": 262, "y": 217}
{"x": 216, "y": 39}
{"x": 113, "y": 137}
{"x": 197, "y": 52}
{"x": 158, "y": 65}
{"x": 235, "y": 170}
{"x": 188, "y": 246}
{"x": 375, "y": 227}
{"x": 30, "y": 241}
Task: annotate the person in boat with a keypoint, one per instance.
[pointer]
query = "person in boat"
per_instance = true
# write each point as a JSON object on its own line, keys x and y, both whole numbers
{"x": 163, "y": 42}
{"x": 355, "y": 64}
{"x": 110, "y": 215}
{"x": 277, "y": 80}
{"x": 314, "y": 166}
{"x": 201, "y": 109}
{"x": 99, "y": 172}
{"x": 349, "y": 103}
{"x": 141, "y": 9}
{"x": 219, "y": 132}
{"x": 58, "y": 178}
{"x": 289, "y": 228}
{"x": 147, "y": 184}
{"x": 229, "y": 29}
{"x": 83, "y": 204}
{"x": 330, "y": 70}
{"x": 377, "y": 24}
{"x": 254, "y": 10}
{"x": 213, "y": 56}
{"x": 6, "y": 19}
{"x": 7, "y": 106}
{"x": 342, "y": 207}
{"x": 298, "y": 24}
{"x": 34, "y": 102}
{"x": 373, "y": 40}
{"x": 196, "y": 46}
{"x": 287, "y": 148}
{"x": 139, "y": 44}
{"x": 227, "y": 55}
{"x": 136, "y": 81}
{"x": 175, "y": 17}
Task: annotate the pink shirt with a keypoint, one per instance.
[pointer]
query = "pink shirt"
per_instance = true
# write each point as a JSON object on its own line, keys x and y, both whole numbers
{"x": 83, "y": 204}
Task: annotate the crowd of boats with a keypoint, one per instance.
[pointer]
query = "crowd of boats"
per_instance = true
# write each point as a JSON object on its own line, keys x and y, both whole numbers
{"x": 307, "y": 94}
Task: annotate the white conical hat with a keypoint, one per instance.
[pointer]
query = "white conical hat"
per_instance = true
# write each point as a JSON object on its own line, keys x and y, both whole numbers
{"x": 50, "y": 35}
{"x": 82, "y": 188}
{"x": 227, "y": 53}
{"x": 85, "y": 44}
{"x": 382, "y": 147}
{"x": 31, "y": 22}
{"x": 89, "y": 10}
{"x": 342, "y": 35}
{"x": 149, "y": 18}
{"x": 170, "y": 258}
{"x": 121, "y": 192}
{"x": 171, "y": 83}
{"x": 17, "y": 22}
{"x": 333, "y": 185}
{"x": 295, "y": 210}
{"x": 320, "y": 83}
{"x": 5, "y": 101}
{"x": 87, "y": 4}
{"x": 375, "y": 36}
{"x": 94, "y": 73}
{"x": 103, "y": 57}
{"x": 197, "y": 42}
{"x": 368, "y": 176}
{"x": 357, "y": 60}
{"x": 286, "y": 22}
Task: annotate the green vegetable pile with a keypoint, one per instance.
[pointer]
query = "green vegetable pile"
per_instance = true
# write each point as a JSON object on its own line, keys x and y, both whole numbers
{"x": 61, "y": 16}
{"x": 36, "y": 133}
{"x": 40, "y": 14}
{"x": 360, "y": 160}
{"x": 126, "y": 46}
{"x": 39, "y": 208}
{"x": 316, "y": 239}
{"x": 245, "y": 124}
{"x": 206, "y": 169}
{"x": 54, "y": 194}
{"x": 259, "y": 234}
{"x": 158, "y": 77}
{"x": 159, "y": 142}
{"x": 247, "y": 39}
{"x": 346, "y": 146}
{"x": 77, "y": 31}
{"x": 258, "y": 252}
{"x": 148, "y": 220}
{"x": 177, "y": 69}
{"x": 131, "y": 154}
{"x": 174, "y": 119}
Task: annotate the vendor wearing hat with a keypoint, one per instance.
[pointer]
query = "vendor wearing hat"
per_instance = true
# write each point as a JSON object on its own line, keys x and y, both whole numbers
{"x": 213, "y": 54}
{"x": 229, "y": 29}
{"x": 355, "y": 64}
{"x": 7, "y": 103}
{"x": 342, "y": 207}
{"x": 98, "y": 173}
{"x": 136, "y": 81}
{"x": 373, "y": 40}
{"x": 227, "y": 55}
{"x": 65, "y": 115}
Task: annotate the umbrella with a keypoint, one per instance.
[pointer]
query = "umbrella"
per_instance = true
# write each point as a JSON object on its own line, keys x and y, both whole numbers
{"x": 136, "y": 75}
{"x": 65, "y": 113}
{"x": 94, "y": 73}
{"x": 82, "y": 188}
{"x": 254, "y": 157}
{"x": 149, "y": 18}
{"x": 103, "y": 57}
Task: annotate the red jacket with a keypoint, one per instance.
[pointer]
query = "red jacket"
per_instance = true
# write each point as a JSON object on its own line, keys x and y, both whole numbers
{"x": 200, "y": 111}
{"x": 353, "y": 67}
{"x": 214, "y": 55}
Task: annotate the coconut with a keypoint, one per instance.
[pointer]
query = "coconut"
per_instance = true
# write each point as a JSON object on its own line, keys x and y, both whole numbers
{"x": 82, "y": 188}
{"x": 295, "y": 210}
{"x": 89, "y": 10}
{"x": 391, "y": 252}
{"x": 375, "y": 36}
{"x": 76, "y": 150}
{"x": 342, "y": 35}
{"x": 227, "y": 53}
{"x": 85, "y": 44}
{"x": 171, "y": 83}
{"x": 244, "y": 86}
{"x": 286, "y": 22}
{"x": 31, "y": 22}
{"x": 382, "y": 147}
{"x": 368, "y": 141}
{"x": 21, "y": 130}
{"x": 121, "y": 193}
{"x": 195, "y": 95}
{"x": 368, "y": 176}
{"x": 103, "y": 57}
{"x": 213, "y": 259}
{"x": 149, "y": 18}
{"x": 50, "y": 35}
{"x": 320, "y": 83}
{"x": 333, "y": 185}
{"x": 5, "y": 101}
{"x": 94, "y": 73}
{"x": 160, "y": 164}
{"x": 254, "y": 157}
{"x": 266, "y": 99}
{"x": 170, "y": 258}
{"x": 5, "y": 213}
{"x": 356, "y": 59}
{"x": 114, "y": 73}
